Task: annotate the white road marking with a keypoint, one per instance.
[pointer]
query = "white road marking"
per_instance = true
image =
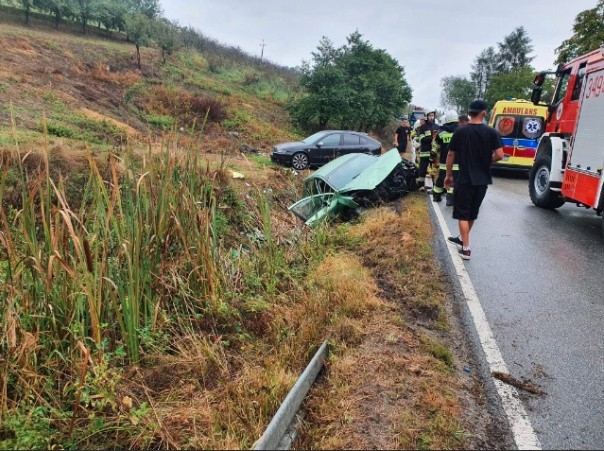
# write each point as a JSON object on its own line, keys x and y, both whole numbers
{"x": 520, "y": 424}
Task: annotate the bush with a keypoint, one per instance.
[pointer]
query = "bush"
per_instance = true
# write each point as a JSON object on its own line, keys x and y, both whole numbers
{"x": 165, "y": 122}
{"x": 59, "y": 130}
{"x": 183, "y": 107}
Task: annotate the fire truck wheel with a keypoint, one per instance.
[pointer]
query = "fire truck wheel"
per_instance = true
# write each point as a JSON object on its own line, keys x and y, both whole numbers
{"x": 539, "y": 184}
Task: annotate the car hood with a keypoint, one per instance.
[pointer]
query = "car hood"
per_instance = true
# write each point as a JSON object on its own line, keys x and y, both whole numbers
{"x": 291, "y": 146}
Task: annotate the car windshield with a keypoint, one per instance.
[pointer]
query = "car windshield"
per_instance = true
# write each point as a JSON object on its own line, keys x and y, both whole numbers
{"x": 313, "y": 138}
{"x": 337, "y": 174}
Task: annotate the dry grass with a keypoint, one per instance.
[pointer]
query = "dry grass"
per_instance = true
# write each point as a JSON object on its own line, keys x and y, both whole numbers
{"x": 376, "y": 301}
{"x": 387, "y": 388}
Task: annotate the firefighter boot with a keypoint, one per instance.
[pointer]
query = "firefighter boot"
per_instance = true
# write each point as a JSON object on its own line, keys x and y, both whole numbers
{"x": 449, "y": 199}
{"x": 437, "y": 197}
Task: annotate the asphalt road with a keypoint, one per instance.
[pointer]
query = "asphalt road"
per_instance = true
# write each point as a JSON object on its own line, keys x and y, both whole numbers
{"x": 539, "y": 276}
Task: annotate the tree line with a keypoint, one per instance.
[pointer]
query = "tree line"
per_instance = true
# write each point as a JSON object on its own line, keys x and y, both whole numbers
{"x": 142, "y": 23}
{"x": 505, "y": 70}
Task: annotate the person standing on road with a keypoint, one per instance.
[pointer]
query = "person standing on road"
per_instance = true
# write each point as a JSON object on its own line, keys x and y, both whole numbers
{"x": 440, "y": 146}
{"x": 474, "y": 147}
{"x": 425, "y": 134}
{"x": 401, "y": 136}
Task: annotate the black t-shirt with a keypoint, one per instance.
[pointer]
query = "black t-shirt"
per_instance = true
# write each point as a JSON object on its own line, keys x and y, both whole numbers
{"x": 402, "y": 137}
{"x": 473, "y": 145}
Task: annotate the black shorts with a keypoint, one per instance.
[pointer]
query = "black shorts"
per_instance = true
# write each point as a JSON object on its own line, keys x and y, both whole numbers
{"x": 467, "y": 200}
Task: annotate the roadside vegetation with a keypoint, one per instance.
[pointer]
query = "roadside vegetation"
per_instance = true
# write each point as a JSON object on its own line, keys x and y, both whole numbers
{"x": 152, "y": 298}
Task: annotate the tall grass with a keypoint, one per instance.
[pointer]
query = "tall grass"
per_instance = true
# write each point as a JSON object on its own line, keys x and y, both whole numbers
{"x": 114, "y": 275}
{"x": 141, "y": 247}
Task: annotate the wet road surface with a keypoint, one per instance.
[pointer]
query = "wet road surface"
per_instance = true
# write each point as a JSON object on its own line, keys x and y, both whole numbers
{"x": 540, "y": 278}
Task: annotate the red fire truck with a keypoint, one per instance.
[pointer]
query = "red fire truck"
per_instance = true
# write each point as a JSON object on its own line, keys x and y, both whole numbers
{"x": 570, "y": 156}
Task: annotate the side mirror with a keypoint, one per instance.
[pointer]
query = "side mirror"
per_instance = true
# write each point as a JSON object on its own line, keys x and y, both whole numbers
{"x": 536, "y": 95}
{"x": 539, "y": 79}
{"x": 559, "y": 70}
{"x": 319, "y": 144}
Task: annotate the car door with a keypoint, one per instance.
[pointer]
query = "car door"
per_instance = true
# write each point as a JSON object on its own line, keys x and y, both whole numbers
{"x": 328, "y": 148}
{"x": 351, "y": 143}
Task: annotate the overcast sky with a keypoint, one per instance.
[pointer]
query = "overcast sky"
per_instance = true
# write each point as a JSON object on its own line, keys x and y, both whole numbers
{"x": 430, "y": 39}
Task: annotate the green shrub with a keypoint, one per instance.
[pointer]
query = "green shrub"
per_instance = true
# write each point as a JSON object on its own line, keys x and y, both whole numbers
{"x": 164, "y": 122}
{"x": 59, "y": 130}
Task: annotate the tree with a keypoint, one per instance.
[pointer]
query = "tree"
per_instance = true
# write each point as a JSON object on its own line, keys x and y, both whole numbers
{"x": 112, "y": 13}
{"x": 57, "y": 8}
{"x": 138, "y": 29}
{"x": 355, "y": 86}
{"x": 327, "y": 54}
{"x": 514, "y": 51}
{"x": 457, "y": 93}
{"x": 27, "y": 4}
{"x": 325, "y": 85}
{"x": 165, "y": 36}
{"x": 588, "y": 34}
{"x": 483, "y": 69}
{"x": 517, "y": 83}
{"x": 85, "y": 10}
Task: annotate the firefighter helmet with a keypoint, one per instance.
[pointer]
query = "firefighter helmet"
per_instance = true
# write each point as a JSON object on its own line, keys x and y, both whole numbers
{"x": 450, "y": 116}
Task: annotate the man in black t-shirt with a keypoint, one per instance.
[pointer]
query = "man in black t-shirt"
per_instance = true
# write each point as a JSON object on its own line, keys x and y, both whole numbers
{"x": 401, "y": 136}
{"x": 474, "y": 147}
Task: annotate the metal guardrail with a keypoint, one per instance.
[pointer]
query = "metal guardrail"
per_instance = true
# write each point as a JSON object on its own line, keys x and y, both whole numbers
{"x": 286, "y": 415}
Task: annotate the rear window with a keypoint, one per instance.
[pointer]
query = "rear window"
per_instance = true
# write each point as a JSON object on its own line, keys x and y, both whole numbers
{"x": 519, "y": 127}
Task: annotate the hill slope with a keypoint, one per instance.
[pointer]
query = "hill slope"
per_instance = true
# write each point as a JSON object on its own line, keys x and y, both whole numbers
{"x": 236, "y": 294}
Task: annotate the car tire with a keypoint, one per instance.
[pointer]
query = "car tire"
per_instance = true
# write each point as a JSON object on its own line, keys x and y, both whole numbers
{"x": 300, "y": 161}
{"x": 539, "y": 184}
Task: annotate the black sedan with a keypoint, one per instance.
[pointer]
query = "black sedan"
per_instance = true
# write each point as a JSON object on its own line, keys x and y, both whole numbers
{"x": 322, "y": 147}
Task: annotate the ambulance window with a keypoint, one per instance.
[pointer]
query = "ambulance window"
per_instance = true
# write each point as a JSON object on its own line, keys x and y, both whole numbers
{"x": 505, "y": 125}
{"x": 562, "y": 87}
{"x": 532, "y": 127}
{"x": 579, "y": 82}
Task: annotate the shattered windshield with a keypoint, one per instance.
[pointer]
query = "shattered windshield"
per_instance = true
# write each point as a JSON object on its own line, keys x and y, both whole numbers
{"x": 337, "y": 176}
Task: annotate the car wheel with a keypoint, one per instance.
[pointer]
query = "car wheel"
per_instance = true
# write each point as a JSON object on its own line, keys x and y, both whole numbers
{"x": 300, "y": 161}
{"x": 539, "y": 184}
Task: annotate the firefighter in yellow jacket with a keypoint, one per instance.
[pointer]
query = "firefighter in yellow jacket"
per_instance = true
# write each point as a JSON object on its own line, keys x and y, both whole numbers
{"x": 440, "y": 148}
{"x": 425, "y": 134}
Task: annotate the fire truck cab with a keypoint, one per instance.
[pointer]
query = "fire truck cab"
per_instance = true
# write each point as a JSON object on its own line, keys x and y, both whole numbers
{"x": 570, "y": 155}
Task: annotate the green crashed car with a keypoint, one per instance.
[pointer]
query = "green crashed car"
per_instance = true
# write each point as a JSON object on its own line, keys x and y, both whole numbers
{"x": 352, "y": 181}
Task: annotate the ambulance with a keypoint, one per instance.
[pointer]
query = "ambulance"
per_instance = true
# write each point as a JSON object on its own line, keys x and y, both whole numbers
{"x": 520, "y": 124}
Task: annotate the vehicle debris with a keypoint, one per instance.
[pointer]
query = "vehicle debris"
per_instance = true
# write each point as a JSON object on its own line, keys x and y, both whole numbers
{"x": 524, "y": 384}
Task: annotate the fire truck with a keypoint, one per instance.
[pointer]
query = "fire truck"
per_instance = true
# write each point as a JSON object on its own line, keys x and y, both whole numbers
{"x": 570, "y": 155}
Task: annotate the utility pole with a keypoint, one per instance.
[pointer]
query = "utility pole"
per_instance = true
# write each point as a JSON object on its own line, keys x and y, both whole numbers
{"x": 262, "y": 44}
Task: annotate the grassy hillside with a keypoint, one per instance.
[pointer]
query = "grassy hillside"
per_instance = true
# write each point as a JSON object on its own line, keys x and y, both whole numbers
{"x": 150, "y": 299}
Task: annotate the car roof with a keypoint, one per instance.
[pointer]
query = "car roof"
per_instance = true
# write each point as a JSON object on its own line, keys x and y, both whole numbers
{"x": 345, "y": 131}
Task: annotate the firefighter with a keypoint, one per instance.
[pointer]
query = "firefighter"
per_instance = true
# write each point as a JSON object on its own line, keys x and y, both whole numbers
{"x": 419, "y": 121}
{"x": 440, "y": 148}
{"x": 425, "y": 134}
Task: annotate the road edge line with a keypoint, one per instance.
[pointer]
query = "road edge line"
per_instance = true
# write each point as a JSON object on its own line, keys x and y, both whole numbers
{"x": 520, "y": 424}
